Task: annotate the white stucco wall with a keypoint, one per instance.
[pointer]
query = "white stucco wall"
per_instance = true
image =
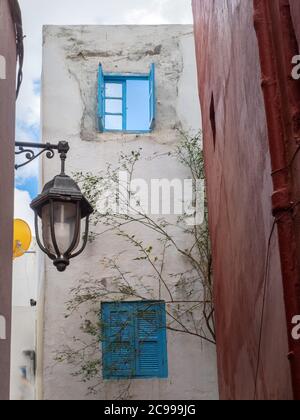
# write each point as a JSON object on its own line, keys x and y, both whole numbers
{"x": 69, "y": 99}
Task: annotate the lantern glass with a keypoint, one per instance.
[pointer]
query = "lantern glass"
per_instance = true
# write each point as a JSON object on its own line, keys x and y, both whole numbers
{"x": 65, "y": 219}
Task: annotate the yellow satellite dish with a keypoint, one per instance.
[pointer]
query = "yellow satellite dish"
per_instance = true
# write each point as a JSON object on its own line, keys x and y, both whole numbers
{"x": 22, "y": 238}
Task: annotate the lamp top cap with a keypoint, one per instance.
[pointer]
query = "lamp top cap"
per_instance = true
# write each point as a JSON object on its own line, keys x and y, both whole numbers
{"x": 62, "y": 188}
{"x": 63, "y": 147}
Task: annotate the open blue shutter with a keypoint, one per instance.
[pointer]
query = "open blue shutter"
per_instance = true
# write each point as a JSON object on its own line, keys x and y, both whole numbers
{"x": 118, "y": 344}
{"x": 152, "y": 97}
{"x": 151, "y": 342}
{"x": 101, "y": 91}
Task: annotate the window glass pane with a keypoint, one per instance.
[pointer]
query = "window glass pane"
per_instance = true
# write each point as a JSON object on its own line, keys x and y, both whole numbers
{"x": 113, "y": 106}
{"x": 114, "y": 90}
{"x": 113, "y": 122}
{"x": 138, "y": 105}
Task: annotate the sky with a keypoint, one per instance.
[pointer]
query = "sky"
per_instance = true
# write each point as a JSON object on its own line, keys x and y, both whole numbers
{"x": 37, "y": 13}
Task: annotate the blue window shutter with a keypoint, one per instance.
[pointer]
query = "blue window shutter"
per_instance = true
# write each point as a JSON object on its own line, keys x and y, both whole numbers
{"x": 101, "y": 92}
{"x": 118, "y": 344}
{"x": 134, "y": 340}
{"x": 151, "y": 340}
{"x": 152, "y": 97}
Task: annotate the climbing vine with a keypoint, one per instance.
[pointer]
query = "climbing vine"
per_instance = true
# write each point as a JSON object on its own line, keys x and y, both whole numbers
{"x": 188, "y": 293}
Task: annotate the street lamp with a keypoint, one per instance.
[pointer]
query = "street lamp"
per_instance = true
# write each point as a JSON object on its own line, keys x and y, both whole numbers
{"x": 61, "y": 206}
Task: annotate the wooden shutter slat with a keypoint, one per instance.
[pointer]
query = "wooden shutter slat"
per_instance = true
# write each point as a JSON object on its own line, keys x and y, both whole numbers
{"x": 118, "y": 348}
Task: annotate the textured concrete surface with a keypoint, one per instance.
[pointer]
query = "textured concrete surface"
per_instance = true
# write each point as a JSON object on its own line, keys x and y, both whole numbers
{"x": 7, "y": 135}
{"x": 239, "y": 194}
{"x": 69, "y": 100}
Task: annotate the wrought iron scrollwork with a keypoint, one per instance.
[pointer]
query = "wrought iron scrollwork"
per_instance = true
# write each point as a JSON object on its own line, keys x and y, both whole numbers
{"x": 28, "y": 149}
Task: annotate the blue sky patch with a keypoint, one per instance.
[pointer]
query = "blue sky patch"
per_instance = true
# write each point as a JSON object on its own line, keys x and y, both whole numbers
{"x": 30, "y": 185}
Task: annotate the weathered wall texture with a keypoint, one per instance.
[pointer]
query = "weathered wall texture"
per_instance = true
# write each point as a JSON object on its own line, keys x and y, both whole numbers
{"x": 239, "y": 194}
{"x": 7, "y": 123}
{"x": 295, "y": 10}
{"x": 69, "y": 102}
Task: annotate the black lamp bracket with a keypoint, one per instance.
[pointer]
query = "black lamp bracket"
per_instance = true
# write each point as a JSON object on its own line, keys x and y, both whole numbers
{"x": 28, "y": 149}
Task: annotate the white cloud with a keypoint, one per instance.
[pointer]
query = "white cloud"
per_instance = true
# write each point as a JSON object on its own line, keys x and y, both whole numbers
{"x": 160, "y": 12}
{"x": 22, "y": 208}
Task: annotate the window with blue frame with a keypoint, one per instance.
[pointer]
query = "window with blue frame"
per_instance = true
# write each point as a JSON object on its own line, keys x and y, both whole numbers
{"x": 126, "y": 102}
{"x": 134, "y": 340}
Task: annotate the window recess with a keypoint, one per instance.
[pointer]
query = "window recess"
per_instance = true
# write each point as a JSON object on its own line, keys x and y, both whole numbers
{"x": 126, "y": 102}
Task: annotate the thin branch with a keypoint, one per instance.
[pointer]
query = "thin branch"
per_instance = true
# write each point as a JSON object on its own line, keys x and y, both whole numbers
{"x": 193, "y": 334}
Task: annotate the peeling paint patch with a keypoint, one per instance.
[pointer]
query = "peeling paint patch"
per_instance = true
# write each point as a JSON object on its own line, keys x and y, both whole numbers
{"x": 85, "y": 54}
{"x": 155, "y": 51}
{"x": 122, "y": 55}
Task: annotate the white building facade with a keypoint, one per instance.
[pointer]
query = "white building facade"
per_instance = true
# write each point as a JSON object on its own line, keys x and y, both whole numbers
{"x": 101, "y": 127}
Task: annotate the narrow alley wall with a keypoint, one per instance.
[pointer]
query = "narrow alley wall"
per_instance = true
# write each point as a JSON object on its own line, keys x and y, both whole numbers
{"x": 7, "y": 134}
{"x": 239, "y": 194}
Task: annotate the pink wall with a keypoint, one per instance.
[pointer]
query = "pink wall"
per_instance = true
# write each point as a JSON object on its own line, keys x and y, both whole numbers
{"x": 239, "y": 194}
{"x": 7, "y": 136}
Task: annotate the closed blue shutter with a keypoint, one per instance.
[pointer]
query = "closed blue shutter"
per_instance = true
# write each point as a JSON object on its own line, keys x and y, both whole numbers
{"x": 101, "y": 92}
{"x": 118, "y": 344}
{"x": 134, "y": 341}
{"x": 151, "y": 340}
{"x": 152, "y": 97}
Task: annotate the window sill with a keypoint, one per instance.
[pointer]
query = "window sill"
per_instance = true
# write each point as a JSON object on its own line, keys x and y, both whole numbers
{"x": 140, "y": 378}
{"x": 126, "y": 132}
